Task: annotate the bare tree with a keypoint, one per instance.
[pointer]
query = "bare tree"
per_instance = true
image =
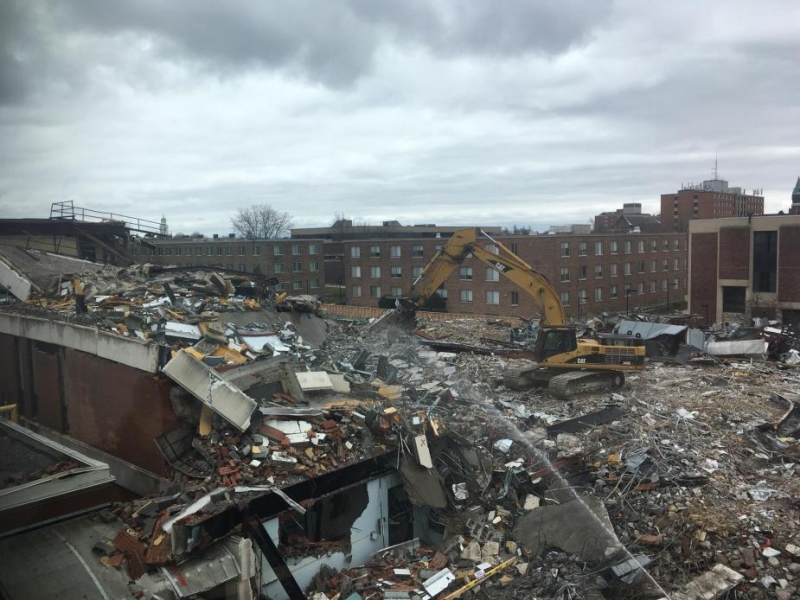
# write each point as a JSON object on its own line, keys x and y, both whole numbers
{"x": 261, "y": 221}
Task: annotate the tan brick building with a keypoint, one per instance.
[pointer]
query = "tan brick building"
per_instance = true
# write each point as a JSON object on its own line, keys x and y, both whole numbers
{"x": 745, "y": 267}
{"x": 298, "y": 264}
{"x": 592, "y": 273}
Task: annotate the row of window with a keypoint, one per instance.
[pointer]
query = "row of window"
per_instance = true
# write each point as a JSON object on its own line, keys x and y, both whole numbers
{"x": 417, "y": 251}
{"x": 583, "y": 247}
{"x": 299, "y": 285}
{"x": 613, "y": 269}
{"x": 492, "y": 297}
{"x": 396, "y": 272}
{"x": 277, "y": 250}
{"x": 278, "y": 268}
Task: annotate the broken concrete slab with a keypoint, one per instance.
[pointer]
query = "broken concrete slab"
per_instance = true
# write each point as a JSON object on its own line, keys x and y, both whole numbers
{"x": 211, "y": 389}
{"x": 580, "y": 527}
{"x": 312, "y": 381}
{"x": 711, "y": 584}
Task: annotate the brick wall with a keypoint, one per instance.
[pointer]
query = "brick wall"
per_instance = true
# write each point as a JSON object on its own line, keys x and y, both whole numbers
{"x": 704, "y": 274}
{"x": 117, "y": 409}
{"x": 367, "y": 270}
{"x": 734, "y": 252}
{"x": 788, "y": 263}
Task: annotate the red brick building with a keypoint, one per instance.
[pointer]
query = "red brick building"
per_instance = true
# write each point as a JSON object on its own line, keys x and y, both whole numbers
{"x": 592, "y": 273}
{"x": 745, "y": 267}
{"x": 712, "y": 199}
{"x": 298, "y": 264}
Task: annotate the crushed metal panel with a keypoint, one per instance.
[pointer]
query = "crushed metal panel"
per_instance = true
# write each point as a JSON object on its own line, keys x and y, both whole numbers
{"x": 439, "y": 582}
{"x": 218, "y": 565}
{"x": 737, "y": 348}
{"x": 314, "y": 380}
{"x": 647, "y": 330}
{"x": 211, "y": 389}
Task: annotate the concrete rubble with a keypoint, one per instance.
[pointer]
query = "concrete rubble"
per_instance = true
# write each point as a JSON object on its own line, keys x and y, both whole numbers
{"x": 681, "y": 485}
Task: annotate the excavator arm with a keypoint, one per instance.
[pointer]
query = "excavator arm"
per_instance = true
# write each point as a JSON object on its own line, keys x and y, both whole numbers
{"x": 466, "y": 242}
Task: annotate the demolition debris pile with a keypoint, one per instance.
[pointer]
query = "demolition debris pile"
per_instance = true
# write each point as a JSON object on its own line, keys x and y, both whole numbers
{"x": 682, "y": 485}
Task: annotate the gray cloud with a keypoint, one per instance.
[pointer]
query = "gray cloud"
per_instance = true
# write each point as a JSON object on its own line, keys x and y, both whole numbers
{"x": 527, "y": 113}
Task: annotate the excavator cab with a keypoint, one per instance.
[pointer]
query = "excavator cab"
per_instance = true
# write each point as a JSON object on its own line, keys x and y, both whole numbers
{"x": 555, "y": 340}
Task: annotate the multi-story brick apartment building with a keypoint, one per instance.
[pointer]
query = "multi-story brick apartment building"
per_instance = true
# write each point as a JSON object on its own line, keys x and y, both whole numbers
{"x": 745, "y": 267}
{"x": 626, "y": 218}
{"x": 713, "y": 199}
{"x": 298, "y": 264}
{"x": 592, "y": 273}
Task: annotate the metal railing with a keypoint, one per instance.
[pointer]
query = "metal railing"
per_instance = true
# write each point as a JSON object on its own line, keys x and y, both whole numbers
{"x": 67, "y": 211}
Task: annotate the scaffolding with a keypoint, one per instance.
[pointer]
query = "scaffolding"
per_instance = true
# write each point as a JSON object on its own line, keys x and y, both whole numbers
{"x": 67, "y": 211}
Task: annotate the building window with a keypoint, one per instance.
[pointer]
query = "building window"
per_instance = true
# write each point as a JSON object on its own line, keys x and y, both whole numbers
{"x": 641, "y": 246}
{"x": 297, "y": 249}
{"x": 442, "y": 293}
{"x": 279, "y": 268}
{"x": 514, "y": 298}
{"x": 653, "y": 245}
{"x": 564, "y": 274}
{"x": 493, "y": 248}
{"x": 664, "y": 285}
{"x": 279, "y": 287}
{"x": 628, "y": 245}
{"x": 297, "y": 285}
{"x": 583, "y": 248}
{"x": 178, "y": 251}
{"x": 242, "y": 268}
{"x": 198, "y": 251}
{"x": 417, "y": 251}
{"x": 665, "y": 264}
{"x": 355, "y": 271}
{"x": 641, "y": 267}
{"x": 613, "y": 291}
{"x": 598, "y": 271}
{"x": 598, "y": 248}
{"x": 375, "y": 272}
{"x": 666, "y": 245}
{"x": 313, "y": 265}
{"x": 564, "y": 298}
{"x": 256, "y": 250}
{"x": 297, "y": 267}
{"x": 598, "y": 294}
{"x": 465, "y": 295}
{"x": 161, "y": 251}
{"x": 416, "y": 272}
{"x": 583, "y": 297}
{"x": 395, "y": 291}
{"x": 394, "y": 251}
{"x": 640, "y": 288}
{"x": 677, "y": 245}
{"x": 582, "y": 272}
{"x": 374, "y": 251}
{"x": 228, "y": 251}
{"x": 564, "y": 248}
{"x": 210, "y": 251}
{"x": 355, "y": 291}
{"x": 313, "y": 249}
{"x": 613, "y": 268}
{"x": 313, "y": 283}
{"x": 242, "y": 250}
{"x": 355, "y": 251}
{"x": 277, "y": 249}
{"x": 626, "y": 268}
{"x": 492, "y": 274}
{"x": 675, "y": 284}
{"x": 676, "y": 264}
{"x": 396, "y": 271}
{"x": 374, "y": 291}
{"x": 653, "y": 266}
{"x": 465, "y": 274}
{"x": 514, "y": 248}
{"x": 614, "y": 247}
{"x": 652, "y": 287}
{"x": 492, "y": 297}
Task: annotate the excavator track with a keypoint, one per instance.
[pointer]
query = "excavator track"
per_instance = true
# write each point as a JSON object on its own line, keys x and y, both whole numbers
{"x": 568, "y": 385}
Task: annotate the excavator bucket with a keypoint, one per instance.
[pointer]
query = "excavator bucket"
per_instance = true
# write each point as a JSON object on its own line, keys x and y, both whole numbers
{"x": 399, "y": 317}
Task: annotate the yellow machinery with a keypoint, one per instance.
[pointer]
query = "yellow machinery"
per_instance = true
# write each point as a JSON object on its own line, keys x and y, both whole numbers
{"x": 591, "y": 364}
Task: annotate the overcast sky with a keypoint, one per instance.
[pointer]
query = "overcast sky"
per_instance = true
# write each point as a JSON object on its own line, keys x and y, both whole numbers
{"x": 424, "y": 111}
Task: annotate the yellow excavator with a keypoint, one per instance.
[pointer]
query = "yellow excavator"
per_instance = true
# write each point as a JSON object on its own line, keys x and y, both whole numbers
{"x": 566, "y": 364}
